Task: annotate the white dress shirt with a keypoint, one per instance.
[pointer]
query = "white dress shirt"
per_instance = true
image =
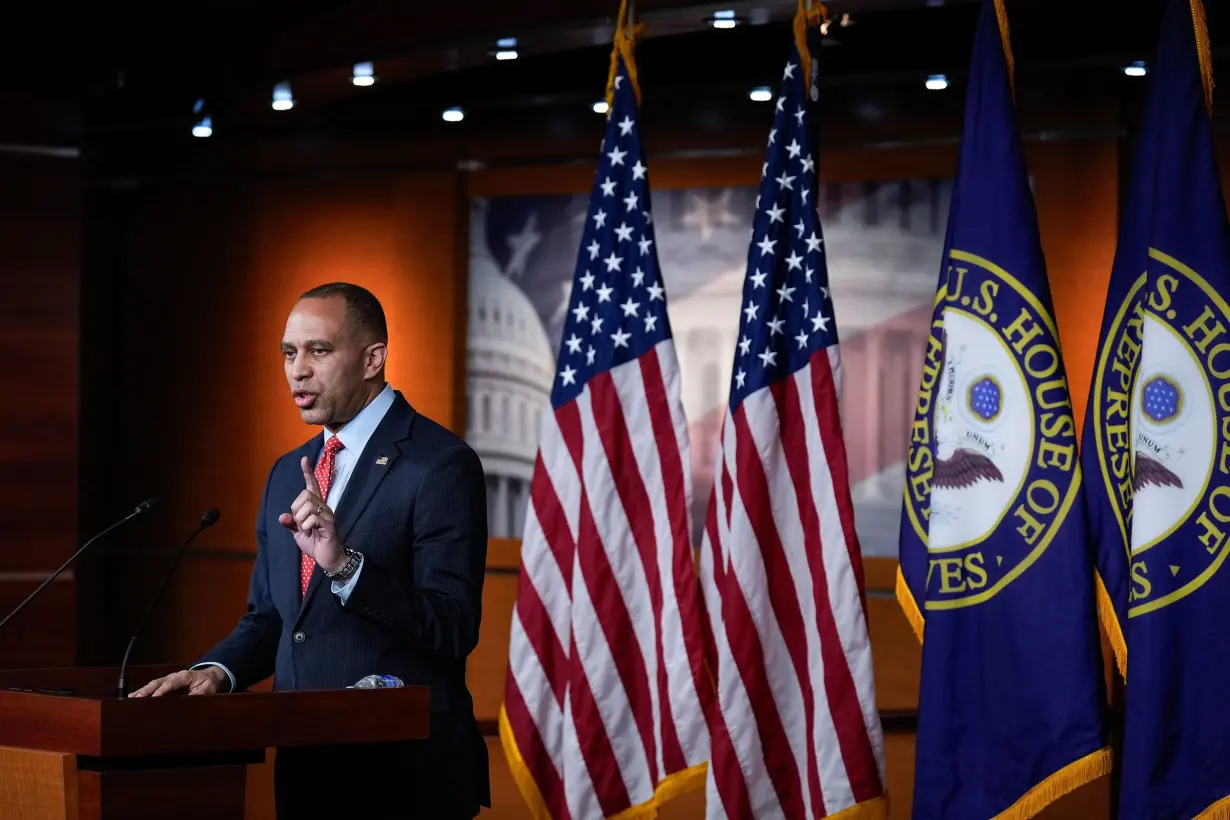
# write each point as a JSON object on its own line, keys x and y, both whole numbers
{"x": 354, "y": 435}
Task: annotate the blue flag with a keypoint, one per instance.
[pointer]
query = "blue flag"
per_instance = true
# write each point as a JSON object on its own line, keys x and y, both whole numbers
{"x": 1106, "y": 452}
{"x": 1161, "y": 403}
{"x": 996, "y": 574}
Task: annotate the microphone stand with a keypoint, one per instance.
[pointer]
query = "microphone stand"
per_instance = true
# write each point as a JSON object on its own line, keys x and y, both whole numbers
{"x": 207, "y": 520}
{"x": 142, "y": 508}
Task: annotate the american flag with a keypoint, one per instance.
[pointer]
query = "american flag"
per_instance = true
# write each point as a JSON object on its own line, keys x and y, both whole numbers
{"x": 798, "y": 733}
{"x": 607, "y": 694}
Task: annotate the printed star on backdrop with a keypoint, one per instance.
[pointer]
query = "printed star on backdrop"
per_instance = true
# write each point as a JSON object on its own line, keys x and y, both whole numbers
{"x": 521, "y": 245}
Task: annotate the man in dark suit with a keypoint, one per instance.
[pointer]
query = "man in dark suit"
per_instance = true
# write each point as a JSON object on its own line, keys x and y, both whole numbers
{"x": 387, "y": 511}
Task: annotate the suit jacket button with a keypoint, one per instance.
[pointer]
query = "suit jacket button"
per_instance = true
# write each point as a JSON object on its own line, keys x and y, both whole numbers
{"x": 299, "y": 637}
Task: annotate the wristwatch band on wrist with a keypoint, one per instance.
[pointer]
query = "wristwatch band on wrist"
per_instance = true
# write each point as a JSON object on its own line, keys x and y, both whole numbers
{"x": 348, "y": 569}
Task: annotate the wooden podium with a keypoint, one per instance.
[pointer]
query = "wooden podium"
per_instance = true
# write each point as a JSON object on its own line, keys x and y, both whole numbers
{"x": 70, "y": 749}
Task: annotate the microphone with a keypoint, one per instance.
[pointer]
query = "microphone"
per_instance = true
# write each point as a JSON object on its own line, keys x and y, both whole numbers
{"x": 142, "y": 508}
{"x": 207, "y": 520}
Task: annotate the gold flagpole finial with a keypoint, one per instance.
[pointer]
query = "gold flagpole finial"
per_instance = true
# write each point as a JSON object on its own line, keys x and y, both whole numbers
{"x": 1001, "y": 15}
{"x": 1204, "y": 50}
{"x": 624, "y": 46}
{"x": 809, "y": 14}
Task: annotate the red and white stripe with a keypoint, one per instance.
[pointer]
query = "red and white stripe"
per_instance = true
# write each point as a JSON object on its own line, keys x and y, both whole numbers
{"x": 607, "y": 693}
{"x": 798, "y": 734}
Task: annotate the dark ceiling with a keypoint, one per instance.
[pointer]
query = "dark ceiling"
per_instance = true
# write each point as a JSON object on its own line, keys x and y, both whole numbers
{"x": 142, "y": 65}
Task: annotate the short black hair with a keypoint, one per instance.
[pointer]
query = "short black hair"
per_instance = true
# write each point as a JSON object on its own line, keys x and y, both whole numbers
{"x": 363, "y": 309}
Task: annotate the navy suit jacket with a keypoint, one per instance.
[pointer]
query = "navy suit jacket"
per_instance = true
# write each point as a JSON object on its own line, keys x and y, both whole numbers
{"x": 415, "y": 506}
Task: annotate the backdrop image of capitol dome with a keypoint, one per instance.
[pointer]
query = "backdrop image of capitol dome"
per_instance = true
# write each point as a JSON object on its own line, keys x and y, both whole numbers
{"x": 509, "y": 370}
{"x": 882, "y": 240}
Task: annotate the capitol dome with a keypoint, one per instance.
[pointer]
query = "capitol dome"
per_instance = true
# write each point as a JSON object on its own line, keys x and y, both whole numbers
{"x": 509, "y": 372}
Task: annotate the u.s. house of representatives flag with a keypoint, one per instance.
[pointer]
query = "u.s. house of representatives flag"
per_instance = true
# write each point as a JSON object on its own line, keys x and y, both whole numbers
{"x": 996, "y": 573}
{"x": 798, "y": 735}
{"x": 1159, "y": 459}
{"x": 606, "y": 693}
{"x": 1106, "y": 442}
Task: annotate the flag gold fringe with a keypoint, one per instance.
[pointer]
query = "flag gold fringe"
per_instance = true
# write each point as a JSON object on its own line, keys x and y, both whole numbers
{"x": 671, "y": 786}
{"x": 1204, "y": 49}
{"x": 1001, "y": 14}
{"x": 624, "y": 46}
{"x": 1218, "y": 811}
{"x": 1068, "y": 779}
{"x": 908, "y": 606}
{"x": 1111, "y": 626}
{"x": 874, "y": 809}
{"x": 804, "y": 19}
{"x": 521, "y": 771}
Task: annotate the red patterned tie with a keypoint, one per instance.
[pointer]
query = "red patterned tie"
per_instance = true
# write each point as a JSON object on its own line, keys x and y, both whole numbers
{"x": 324, "y": 477}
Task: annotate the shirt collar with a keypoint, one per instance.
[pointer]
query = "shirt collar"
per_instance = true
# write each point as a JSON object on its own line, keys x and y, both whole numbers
{"x": 356, "y": 432}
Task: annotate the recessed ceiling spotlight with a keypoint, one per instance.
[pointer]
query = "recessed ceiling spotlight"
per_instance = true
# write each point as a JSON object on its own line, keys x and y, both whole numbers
{"x": 506, "y": 48}
{"x": 364, "y": 75}
{"x": 453, "y": 114}
{"x": 601, "y": 107}
{"x": 937, "y": 82}
{"x": 724, "y": 19}
{"x": 1136, "y": 69}
{"x": 761, "y": 94}
{"x": 282, "y": 99}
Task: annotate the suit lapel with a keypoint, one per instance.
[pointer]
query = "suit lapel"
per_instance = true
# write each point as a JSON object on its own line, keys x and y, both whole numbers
{"x": 375, "y": 462}
{"x": 378, "y": 458}
{"x": 310, "y": 451}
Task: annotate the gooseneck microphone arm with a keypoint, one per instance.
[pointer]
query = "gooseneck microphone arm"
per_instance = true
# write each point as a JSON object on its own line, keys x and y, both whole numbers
{"x": 207, "y": 520}
{"x": 142, "y": 508}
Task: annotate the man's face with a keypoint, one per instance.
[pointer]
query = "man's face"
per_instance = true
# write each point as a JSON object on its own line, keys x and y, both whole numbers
{"x": 327, "y": 364}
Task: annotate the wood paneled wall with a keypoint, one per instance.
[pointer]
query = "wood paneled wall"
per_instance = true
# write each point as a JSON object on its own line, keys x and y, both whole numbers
{"x": 40, "y": 223}
{"x": 202, "y": 275}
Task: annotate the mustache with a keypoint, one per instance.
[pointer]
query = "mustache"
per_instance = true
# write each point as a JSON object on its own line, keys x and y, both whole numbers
{"x": 964, "y": 469}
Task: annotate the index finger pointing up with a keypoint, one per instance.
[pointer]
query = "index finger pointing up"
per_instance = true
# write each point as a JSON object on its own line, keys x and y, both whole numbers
{"x": 309, "y": 477}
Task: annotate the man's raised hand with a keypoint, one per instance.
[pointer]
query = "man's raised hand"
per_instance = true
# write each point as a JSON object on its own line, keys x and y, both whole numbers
{"x": 312, "y": 523}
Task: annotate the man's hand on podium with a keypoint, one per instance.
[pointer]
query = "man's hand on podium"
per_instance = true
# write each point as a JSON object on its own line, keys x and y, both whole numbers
{"x": 208, "y": 681}
{"x": 311, "y": 522}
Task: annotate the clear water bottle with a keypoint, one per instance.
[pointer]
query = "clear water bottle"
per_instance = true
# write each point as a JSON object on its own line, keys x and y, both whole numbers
{"x": 378, "y": 682}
